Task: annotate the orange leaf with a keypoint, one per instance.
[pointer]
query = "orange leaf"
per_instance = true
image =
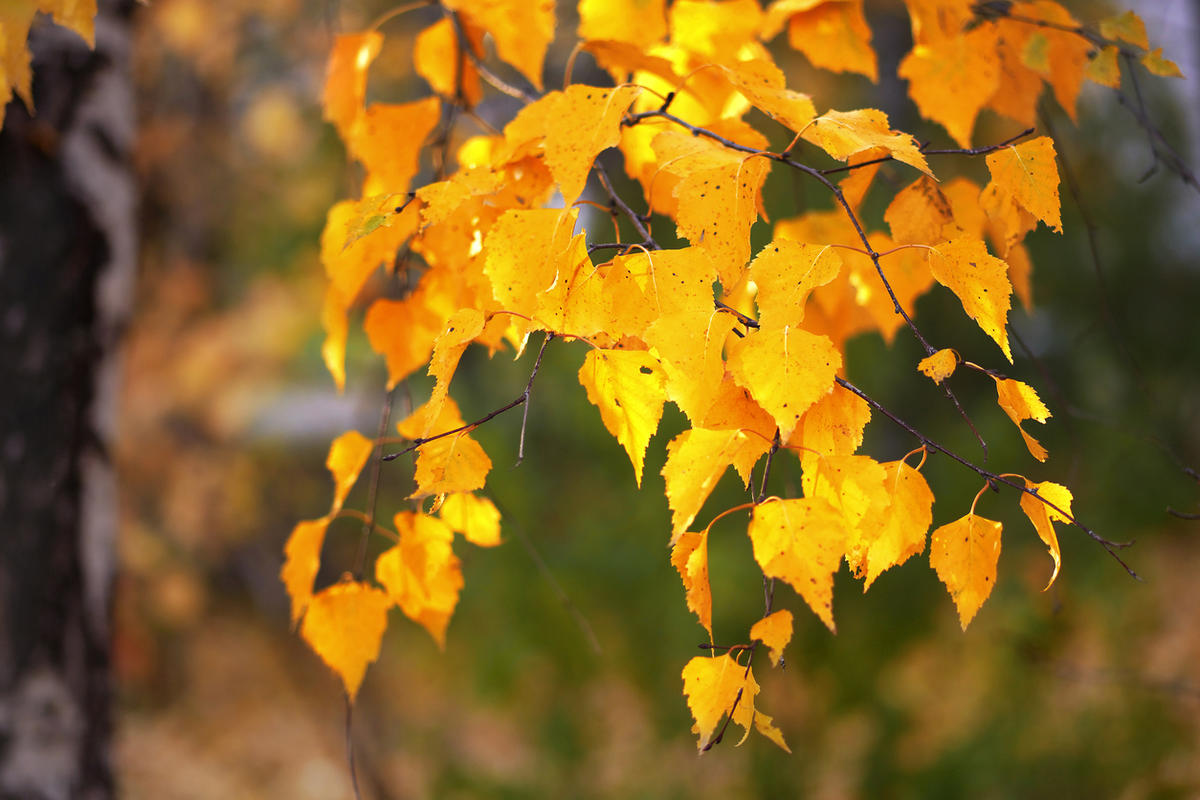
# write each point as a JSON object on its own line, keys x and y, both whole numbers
{"x": 584, "y": 121}
{"x": 346, "y": 79}
{"x": 980, "y": 281}
{"x": 438, "y": 59}
{"x": 786, "y": 370}
{"x": 1028, "y": 172}
{"x": 833, "y": 34}
{"x": 1043, "y": 516}
{"x": 522, "y": 253}
{"x": 964, "y": 554}
{"x": 940, "y": 365}
{"x": 834, "y": 425}
{"x": 775, "y": 631}
{"x": 302, "y": 562}
{"x": 522, "y": 30}
{"x": 843, "y": 134}
{"x": 689, "y": 556}
{"x": 344, "y": 625}
{"x": 389, "y": 140}
{"x": 801, "y": 541}
{"x": 403, "y": 331}
{"x": 952, "y": 79}
{"x": 717, "y": 686}
{"x": 1021, "y": 402}
{"x": 696, "y": 460}
{"x": 629, "y": 388}
{"x": 347, "y": 456}
{"x": 475, "y": 517}
{"x": 421, "y": 574}
{"x": 637, "y": 22}
{"x": 919, "y": 213}
{"x": 762, "y": 83}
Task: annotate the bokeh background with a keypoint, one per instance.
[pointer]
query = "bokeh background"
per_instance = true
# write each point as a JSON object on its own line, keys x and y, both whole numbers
{"x": 1091, "y": 689}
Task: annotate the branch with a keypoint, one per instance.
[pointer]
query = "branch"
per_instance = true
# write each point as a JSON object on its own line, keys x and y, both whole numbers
{"x": 991, "y": 477}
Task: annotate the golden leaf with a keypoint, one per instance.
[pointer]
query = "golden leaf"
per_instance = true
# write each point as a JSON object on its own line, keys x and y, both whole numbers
{"x": 475, "y": 517}
{"x": 302, "y": 562}
{"x": 689, "y": 556}
{"x": 964, "y": 554}
{"x": 801, "y": 541}
{"x": 1027, "y": 171}
{"x": 1043, "y": 516}
{"x": 629, "y": 388}
{"x": 775, "y": 631}
{"x": 347, "y": 456}
{"x": 1021, "y": 402}
{"x": 940, "y": 365}
{"x": 344, "y": 625}
{"x": 718, "y": 686}
{"x": 979, "y": 280}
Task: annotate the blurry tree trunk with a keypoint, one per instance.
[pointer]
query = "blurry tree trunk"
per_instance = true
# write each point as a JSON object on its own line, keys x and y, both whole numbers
{"x": 67, "y": 262}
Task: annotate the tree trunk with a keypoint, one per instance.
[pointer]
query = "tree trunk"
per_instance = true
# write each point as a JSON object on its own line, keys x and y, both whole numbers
{"x": 67, "y": 263}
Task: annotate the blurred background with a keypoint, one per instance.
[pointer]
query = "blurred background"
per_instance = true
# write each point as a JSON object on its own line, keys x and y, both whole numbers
{"x": 1091, "y": 689}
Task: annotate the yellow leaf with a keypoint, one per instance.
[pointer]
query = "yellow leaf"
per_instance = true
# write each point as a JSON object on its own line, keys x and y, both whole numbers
{"x": 834, "y": 35}
{"x": 1066, "y": 53}
{"x": 775, "y": 631}
{"x": 854, "y": 487}
{"x": 952, "y": 79}
{"x": 979, "y": 280}
{"x": 1104, "y": 69}
{"x": 349, "y": 261}
{"x": 421, "y": 574}
{"x": 689, "y": 346}
{"x": 336, "y": 327}
{"x": 940, "y": 365}
{"x": 438, "y": 59}
{"x": 629, "y": 388}
{"x": 461, "y": 329}
{"x": 716, "y": 30}
{"x": 475, "y": 517}
{"x": 1043, "y": 516}
{"x": 403, "y": 331}
{"x": 785, "y": 273}
{"x": 302, "y": 562}
{"x": 786, "y": 370}
{"x": 689, "y": 556}
{"x": 522, "y": 30}
{"x": 843, "y": 134}
{"x": 1007, "y": 219}
{"x": 1157, "y": 65}
{"x": 522, "y": 252}
{"x": 671, "y": 281}
{"x": 762, "y": 83}
{"x": 900, "y": 532}
{"x": 834, "y": 425}
{"x": 718, "y": 686}
{"x": 1127, "y": 26}
{"x": 1021, "y": 402}
{"x": 637, "y": 22}
{"x": 919, "y": 213}
{"x": 389, "y": 142}
{"x": 801, "y": 541}
{"x": 1028, "y": 172}
{"x": 964, "y": 554}
{"x": 346, "y": 79}
{"x": 735, "y": 409}
{"x": 344, "y": 625}
{"x": 584, "y": 121}
{"x": 454, "y": 463}
{"x": 347, "y": 456}
{"x": 696, "y": 460}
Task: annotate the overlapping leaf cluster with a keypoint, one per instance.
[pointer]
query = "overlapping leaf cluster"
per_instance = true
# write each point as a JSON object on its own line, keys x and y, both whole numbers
{"x": 749, "y": 345}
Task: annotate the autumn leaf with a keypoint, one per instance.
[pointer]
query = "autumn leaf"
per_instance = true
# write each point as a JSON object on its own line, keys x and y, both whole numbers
{"x": 919, "y": 213}
{"x": 762, "y": 83}
{"x": 346, "y": 79}
{"x": 1028, "y": 172}
{"x": 388, "y": 139}
{"x": 940, "y": 365}
{"x": 629, "y": 388}
{"x": 843, "y": 134}
{"x": 718, "y": 686}
{"x": 696, "y": 460}
{"x": 421, "y": 574}
{"x": 833, "y": 425}
{"x": 785, "y": 274}
{"x": 717, "y": 31}
{"x": 449, "y": 463}
{"x": 775, "y": 631}
{"x": 522, "y": 251}
{"x": 689, "y": 347}
{"x": 637, "y": 22}
{"x": 475, "y": 517}
{"x": 1020, "y": 402}
{"x": 689, "y": 556}
{"x": 584, "y": 120}
{"x": 347, "y": 456}
{"x": 438, "y": 59}
{"x": 1128, "y": 27}
{"x": 302, "y": 562}
{"x": 979, "y": 280}
{"x": 964, "y": 554}
{"x": 1043, "y": 516}
{"x": 344, "y": 625}
{"x": 1104, "y": 69}
{"x": 461, "y": 329}
{"x": 404, "y": 332}
{"x": 952, "y": 79}
{"x": 1155, "y": 64}
{"x": 833, "y": 34}
{"x": 801, "y": 541}
{"x": 786, "y": 370}
{"x": 896, "y": 535}
{"x": 521, "y": 29}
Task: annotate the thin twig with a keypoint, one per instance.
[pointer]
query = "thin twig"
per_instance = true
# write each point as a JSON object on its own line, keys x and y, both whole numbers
{"x": 634, "y": 218}
{"x": 991, "y": 477}
{"x": 525, "y": 397}
{"x": 350, "y": 748}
